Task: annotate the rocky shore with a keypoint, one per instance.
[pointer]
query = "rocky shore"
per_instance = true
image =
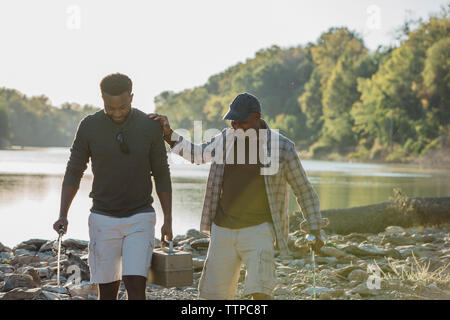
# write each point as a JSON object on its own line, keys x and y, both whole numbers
{"x": 398, "y": 263}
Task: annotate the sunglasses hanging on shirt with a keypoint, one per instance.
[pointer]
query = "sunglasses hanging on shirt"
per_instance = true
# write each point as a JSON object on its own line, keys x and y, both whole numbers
{"x": 122, "y": 144}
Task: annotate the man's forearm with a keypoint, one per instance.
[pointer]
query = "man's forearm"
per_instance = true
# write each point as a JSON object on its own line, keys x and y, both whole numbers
{"x": 165, "y": 198}
{"x": 68, "y": 192}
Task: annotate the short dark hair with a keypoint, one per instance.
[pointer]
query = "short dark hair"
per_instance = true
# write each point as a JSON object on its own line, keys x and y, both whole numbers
{"x": 115, "y": 84}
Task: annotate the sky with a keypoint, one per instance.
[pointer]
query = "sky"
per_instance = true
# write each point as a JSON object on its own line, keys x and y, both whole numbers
{"x": 63, "y": 49}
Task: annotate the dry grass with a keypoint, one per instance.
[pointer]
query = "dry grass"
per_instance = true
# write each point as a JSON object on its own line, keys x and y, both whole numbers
{"x": 419, "y": 273}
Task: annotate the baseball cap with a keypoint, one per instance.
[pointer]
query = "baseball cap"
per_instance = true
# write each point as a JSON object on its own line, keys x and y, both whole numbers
{"x": 242, "y": 106}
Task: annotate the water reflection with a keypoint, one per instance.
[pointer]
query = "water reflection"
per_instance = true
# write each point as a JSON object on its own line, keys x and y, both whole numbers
{"x": 30, "y": 187}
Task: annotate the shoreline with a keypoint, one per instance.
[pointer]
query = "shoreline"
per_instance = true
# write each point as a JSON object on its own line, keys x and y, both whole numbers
{"x": 28, "y": 271}
{"x": 434, "y": 159}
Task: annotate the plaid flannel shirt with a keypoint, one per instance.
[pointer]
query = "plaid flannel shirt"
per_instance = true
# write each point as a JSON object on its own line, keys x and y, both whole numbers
{"x": 290, "y": 172}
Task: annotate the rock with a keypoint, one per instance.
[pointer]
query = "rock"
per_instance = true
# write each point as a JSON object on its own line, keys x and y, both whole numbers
{"x": 358, "y": 237}
{"x": 55, "y": 289}
{"x": 25, "y": 259}
{"x": 332, "y": 252}
{"x": 19, "y": 280}
{"x": 50, "y": 295}
{"x": 394, "y": 229}
{"x": 192, "y": 233}
{"x": 49, "y": 246}
{"x": 44, "y": 272}
{"x": 280, "y": 290}
{"x": 32, "y": 272}
{"x": 357, "y": 275}
{"x": 44, "y": 256}
{"x": 200, "y": 243}
{"x": 6, "y": 268}
{"x": 32, "y": 243}
{"x": 345, "y": 271}
{"x": 431, "y": 291}
{"x": 337, "y": 293}
{"x": 20, "y": 252}
{"x": 326, "y": 260}
{"x": 325, "y": 296}
{"x": 82, "y": 290}
{"x": 423, "y": 238}
{"x": 178, "y": 239}
{"x": 349, "y": 259}
{"x": 27, "y": 247}
{"x": 22, "y": 294}
{"x": 6, "y": 255}
{"x": 4, "y": 248}
{"x": 406, "y": 251}
{"x": 370, "y": 251}
{"x": 297, "y": 263}
{"x": 75, "y": 244}
{"x": 62, "y": 279}
{"x": 363, "y": 290}
{"x": 197, "y": 264}
{"x": 319, "y": 291}
{"x": 74, "y": 260}
{"x": 398, "y": 241}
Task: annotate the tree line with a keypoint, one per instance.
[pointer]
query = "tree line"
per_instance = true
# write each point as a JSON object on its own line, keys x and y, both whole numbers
{"x": 33, "y": 121}
{"x": 336, "y": 98}
{"x": 333, "y": 97}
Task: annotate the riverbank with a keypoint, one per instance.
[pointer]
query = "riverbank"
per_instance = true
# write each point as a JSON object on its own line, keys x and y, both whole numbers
{"x": 437, "y": 156}
{"x": 397, "y": 263}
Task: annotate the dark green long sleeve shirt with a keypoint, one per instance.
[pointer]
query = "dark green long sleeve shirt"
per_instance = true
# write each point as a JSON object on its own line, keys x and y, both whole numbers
{"x": 122, "y": 185}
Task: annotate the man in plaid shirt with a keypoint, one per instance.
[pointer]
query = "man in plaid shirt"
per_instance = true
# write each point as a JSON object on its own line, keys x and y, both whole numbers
{"x": 246, "y": 202}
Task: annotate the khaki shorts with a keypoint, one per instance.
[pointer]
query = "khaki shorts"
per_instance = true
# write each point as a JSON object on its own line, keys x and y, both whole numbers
{"x": 120, "y": 246}
{"x": 228, "y": 248}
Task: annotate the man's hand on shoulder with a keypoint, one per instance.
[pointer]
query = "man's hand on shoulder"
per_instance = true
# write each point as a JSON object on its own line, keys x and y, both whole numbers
{"x": 163, "y": 120}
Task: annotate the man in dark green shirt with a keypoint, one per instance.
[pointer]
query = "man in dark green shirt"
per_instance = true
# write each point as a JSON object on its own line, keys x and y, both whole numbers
{"x": 125, "y": 148}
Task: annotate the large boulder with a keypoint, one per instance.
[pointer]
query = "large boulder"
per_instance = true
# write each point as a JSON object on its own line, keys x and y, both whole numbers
{"x": 75, "y": 244}
{"x": 6, "y": 268}
{"x": 332, "y": 252}
{"x": 13, "y": 281}
{"x": 23, "y": 294}
{"x": 82, "y": 289}
{"x": 24, "y": 259}
{"x": 32, "y": 244}
{"x": 192, "y": 233}
{"x": 200, "y": 244}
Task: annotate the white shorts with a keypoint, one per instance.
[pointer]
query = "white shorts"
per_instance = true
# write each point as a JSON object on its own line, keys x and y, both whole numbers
{"x": 120, "y": 246}
{"x": 228, "y": 249}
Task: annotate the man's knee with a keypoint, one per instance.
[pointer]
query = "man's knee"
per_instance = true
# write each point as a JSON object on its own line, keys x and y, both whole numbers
{"x": 134, "y": 282}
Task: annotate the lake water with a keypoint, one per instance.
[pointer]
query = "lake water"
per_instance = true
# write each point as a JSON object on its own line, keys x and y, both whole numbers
{"x": 30, "y": 190}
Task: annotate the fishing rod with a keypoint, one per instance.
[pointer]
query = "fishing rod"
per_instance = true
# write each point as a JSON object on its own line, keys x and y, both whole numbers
{"x": 311, "y": 240}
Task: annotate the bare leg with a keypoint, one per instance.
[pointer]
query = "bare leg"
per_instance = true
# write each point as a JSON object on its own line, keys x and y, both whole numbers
{"x": 135, "y": 286}
{"x": 108, "y": 291}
